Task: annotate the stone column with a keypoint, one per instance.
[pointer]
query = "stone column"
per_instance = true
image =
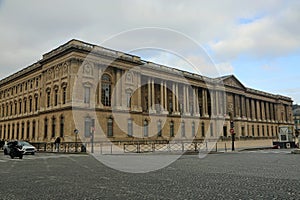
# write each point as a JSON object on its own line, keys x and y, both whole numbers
{"x": 162, "y": 96}
{"x": 243, "y": 107}
{"x": 118, "y": 95}
{"x": 253, "y": 108}
{"x": 163, "y": 99}
{"x": 204, "y": 103}
{"x": 173, "y": 97}
{"x": 149, "y": 95}
{"x": 177, "y": 99}
{"x": 271, "y": 112}
{"x": 184, "y": 99}
{"x": 237, "y": 105}
{"x": 216, "y": 102}
{"x": 196, "y": 102}
{"x": 258, "y": 110}
{"x": 139, "y": 95}
{"x": 187, "y": 100}
{"x": 166, "y": 96}
{"x": 248, "y": 108}
{"x": 267, "y": 111}
{"x": 153, "y": 96}
{"x": 263, "y": 116}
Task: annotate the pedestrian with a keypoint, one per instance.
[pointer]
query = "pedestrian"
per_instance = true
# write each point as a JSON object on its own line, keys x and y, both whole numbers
{"x": 57, "y": 143}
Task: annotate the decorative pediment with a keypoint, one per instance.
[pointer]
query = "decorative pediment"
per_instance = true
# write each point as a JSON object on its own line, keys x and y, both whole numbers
{"x": 232, "y": 81}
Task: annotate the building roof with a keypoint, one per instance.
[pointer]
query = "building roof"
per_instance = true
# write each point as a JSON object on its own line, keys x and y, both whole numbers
{"x": 84, "y": 46}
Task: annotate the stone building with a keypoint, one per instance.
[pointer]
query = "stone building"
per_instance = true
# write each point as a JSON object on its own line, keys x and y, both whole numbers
{"x": 120, "y": 97}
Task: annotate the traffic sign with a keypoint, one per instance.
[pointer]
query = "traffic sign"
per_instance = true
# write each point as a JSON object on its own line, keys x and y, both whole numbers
{"x": 232, "y": 131}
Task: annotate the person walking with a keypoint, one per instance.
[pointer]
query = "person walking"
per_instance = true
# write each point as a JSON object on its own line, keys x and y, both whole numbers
{"x": 57, "y": 144}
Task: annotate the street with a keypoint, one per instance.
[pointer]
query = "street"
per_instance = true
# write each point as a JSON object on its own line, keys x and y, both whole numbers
{"x": 265, "y": 174}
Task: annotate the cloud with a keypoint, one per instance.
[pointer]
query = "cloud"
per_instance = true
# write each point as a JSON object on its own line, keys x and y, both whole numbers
{"x": 275, "y": 34}
{"x": 41, "y": 26}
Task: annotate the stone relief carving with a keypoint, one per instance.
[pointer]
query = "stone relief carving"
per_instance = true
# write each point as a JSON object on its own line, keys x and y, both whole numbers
{"x": 87, "y": 69}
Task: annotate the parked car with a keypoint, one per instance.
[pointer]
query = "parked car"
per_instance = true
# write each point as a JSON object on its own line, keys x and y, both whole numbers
{"x": 26, "y": 147}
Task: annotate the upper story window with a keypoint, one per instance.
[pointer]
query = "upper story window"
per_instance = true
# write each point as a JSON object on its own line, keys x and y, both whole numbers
{"x": 87, "y": 94}
{"x": 55, "y": 96}
{"x": 64, "y": 95}
{"x": 48, "y": 98}
{"x": 106, "y": 90}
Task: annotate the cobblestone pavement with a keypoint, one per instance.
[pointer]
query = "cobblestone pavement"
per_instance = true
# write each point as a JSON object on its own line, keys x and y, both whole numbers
{"x": 266, "y": 174}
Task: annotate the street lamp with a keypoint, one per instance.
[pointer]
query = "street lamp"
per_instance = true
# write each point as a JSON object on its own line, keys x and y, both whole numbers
{"x": 76, "y": 133}
{"x": 232, "y": 131}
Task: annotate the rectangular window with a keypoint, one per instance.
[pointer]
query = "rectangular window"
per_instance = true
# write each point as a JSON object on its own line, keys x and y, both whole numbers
{"x": 55, "y": 97}
{"x": 159, "y": 131}
{"x": 193, "y": 129}
{"x": 64, "y": 95}
{"x": 62, "y": 125}
{"x": 225, "y": 131}
{"x": 211, "y": 130}
{"x": 182, "y": 129}
{"x": 203, "y": 129}
{"x": 110, "y": 127}
{"x": 146, "y": 128}
{"x": 87, "y": 127}
{"x": 87, "y": 93}
{"x": 172, "y": 129}
{"x": 130, "y": 128}
{"x": 128, "y": 99}
{"x": 46, "y": 128}
{"x": 53, "y": 127}
{"x": 48, "y": 99}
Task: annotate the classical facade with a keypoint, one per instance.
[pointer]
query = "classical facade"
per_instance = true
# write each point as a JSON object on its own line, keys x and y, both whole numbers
{"x": 112, "y": 95}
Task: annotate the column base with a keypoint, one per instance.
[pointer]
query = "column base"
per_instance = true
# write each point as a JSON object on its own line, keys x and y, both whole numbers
{"x": 175, "y": 113}
{"x": 187, "y": 114}
{"x": 164, "y": 112}
{"x": 117, "y": 108}
{"x": 196, "y": 115}
{"x": 152, "y": 111}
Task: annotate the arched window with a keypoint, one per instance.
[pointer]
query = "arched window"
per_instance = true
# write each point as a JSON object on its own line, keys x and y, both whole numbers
{"x": 18, "y": 131}
{"x": 30, "y": 104}
{"x": 171, "y": 129}
{"x": 106, "y": 90}
{"x": 8, "y": 131}
{"x": 45, "y": 128}
{"x": 128, "y": 98}
{"x": 62, "y": 126}
{"x": 56, "y": 96}
{"x": 16, "y": 107}
{"x": 22, "y": 130}
{"x": 159, "y": 128}
{"x": 48, "y": 97}
{"x": 146, "y": 128}
{"x": 203, "y": 129}
{"x": 64, "y": 95}
{"x": 130, "y": 128}
{"x": 33, "y": 129}
{"x": 36, "y": 103}
{"x": 25, "y": 105}
{"x": 53, "y": 126}
{"x": 13, "y": 132}
{"x": 110, "y": 127}
{"x": 193, "y": 129}
{"x": 27, "y": 130}
{"x": 182, "y": 129}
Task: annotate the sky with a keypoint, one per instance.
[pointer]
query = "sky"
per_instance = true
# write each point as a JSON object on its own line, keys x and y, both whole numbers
{"x": 257, "y": 41}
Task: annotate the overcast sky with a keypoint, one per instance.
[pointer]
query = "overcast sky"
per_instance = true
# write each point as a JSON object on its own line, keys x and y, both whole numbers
{"x": 257, "y": 41}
